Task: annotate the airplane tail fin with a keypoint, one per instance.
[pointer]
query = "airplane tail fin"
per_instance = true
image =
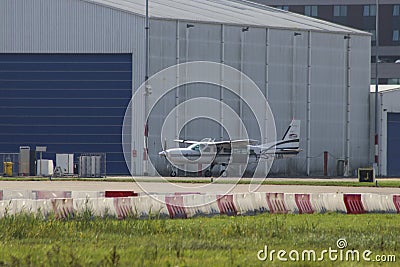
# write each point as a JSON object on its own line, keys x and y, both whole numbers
{"x": 293, "y": 132}
{"x": 290, "y": 143}
{"x": 288, "y": 146}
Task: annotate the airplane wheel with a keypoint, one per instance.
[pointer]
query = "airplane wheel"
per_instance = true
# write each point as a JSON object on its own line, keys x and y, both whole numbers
{"x": 173, "y": 174}
{"x": 207, "y": 173}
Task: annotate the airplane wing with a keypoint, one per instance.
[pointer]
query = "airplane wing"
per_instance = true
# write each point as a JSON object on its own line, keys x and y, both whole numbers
{"x": 242, "y": 142}
{"x": 186, "y": 141}
{"x": 221, "y": 145}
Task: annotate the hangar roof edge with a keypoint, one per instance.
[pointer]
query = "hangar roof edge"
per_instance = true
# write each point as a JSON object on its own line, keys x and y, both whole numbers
{"x": 385, "y": 88}
{"x": 233, "y": 12}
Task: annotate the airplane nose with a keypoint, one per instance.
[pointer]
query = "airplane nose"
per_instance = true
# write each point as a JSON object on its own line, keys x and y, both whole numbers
{"x": 162, "y": 154}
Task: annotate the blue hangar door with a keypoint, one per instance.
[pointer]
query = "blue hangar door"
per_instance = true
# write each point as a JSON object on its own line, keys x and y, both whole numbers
{"x": 393, "y": 144}
{"x": 71, "y": 103}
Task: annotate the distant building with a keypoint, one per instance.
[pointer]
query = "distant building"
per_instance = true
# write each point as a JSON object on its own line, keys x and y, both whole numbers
{"x": 359, "y": 15}
{"x": 389, "y": 126}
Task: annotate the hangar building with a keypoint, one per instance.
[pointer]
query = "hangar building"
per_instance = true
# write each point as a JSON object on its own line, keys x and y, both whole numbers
{"x": 69, "y": 67}
{"x": 389, "y": 128}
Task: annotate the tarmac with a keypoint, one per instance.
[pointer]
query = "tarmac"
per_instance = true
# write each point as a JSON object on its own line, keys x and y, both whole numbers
{"x": 160, "y": 186}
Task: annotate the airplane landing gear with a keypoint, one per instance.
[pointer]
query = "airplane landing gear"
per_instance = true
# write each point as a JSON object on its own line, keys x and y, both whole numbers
{"x": 207, "y": 173}
{"x": 172, "y": 173}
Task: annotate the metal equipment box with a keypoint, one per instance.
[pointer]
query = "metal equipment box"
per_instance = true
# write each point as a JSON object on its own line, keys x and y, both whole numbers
{"x": 45, "y": 167}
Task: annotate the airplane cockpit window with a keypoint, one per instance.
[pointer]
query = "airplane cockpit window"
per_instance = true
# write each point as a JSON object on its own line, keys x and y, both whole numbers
{"x": 196, "y": 148}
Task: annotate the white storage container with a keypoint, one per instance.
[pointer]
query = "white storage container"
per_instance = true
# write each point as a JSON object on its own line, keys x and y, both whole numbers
{"x": 45, "y": 167}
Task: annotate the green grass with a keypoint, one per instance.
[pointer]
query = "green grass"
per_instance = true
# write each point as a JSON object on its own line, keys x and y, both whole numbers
{"x": 216, "y": 241}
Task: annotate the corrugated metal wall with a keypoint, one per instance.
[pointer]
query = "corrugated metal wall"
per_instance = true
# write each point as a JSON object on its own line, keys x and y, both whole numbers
{"x": 277, "y": 60}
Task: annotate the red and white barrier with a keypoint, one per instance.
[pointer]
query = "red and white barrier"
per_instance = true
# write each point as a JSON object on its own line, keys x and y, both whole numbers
{"x": 190, "y": 205}
{"x": 87, "y": 194}
{"x": 318, "y": 202}
{"x": 244, "y": 202}
{"x": 226, "y": 205}
{"x": 149, "y": 206}
{"x": 396, "y": 202}
{"x": 175, "y": 207}
{"x": 120, "y": 194}
{"x": 50, "y": 194}
{"x": 353, "y": 203}
{"x": 303, "y": 202}
{"x": 334, "y": 202}
{"x": 200, "y": 205}
{"x": 63, "y": 208}
{"x": 17, "y": 194}
{"x": 276, "y": 203}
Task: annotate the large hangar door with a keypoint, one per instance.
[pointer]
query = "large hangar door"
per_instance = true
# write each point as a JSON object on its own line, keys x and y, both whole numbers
{"x": 393, "y": 144}
{"x": 72, "y": 103}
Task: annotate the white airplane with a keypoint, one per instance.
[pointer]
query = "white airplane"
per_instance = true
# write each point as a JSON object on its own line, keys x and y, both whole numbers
{"x": 214, "y": 153}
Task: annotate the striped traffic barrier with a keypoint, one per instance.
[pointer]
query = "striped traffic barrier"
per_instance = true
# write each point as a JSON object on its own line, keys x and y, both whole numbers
{"x": 244, "y": 203}
{"x": 86, "y": 206}
{"x": 186, "y": 193}
{"x": 43, "y": 207}
{"x": 226, "y": 205}
{"x": 175, "y": 207}
{"x": 189, "y": 205}
{"x": 123, "y": 207}
{"x": 333, "y": 202}
{"x": 387, "y": 204}
{"x": 290, "y": 203}
{"x": 276, "y": 203}
{"x": 197, "y": 205}
{"x": 17, "y": 194}
{"x": 6, "y": 208}
{"x": 50, "y": 194}
{"x": 23, "y": 206}
{"x": 87, "y": 194}
{"x": 63, "y": 208}
{"x": 373, "y": 203}
{"x": 396, "y": 202}
{"x": 120, "y": 194}
{"x": 353, "y": 203}
{"x": 106, "y": 207}
{"x": 318, "y": 203}
{"x": 303, "y": 203}
{"x": 259, "y": 202}
{"x": 149, "y": 206}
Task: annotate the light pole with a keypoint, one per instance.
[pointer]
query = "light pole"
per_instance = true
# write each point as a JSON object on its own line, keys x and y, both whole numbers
{"x": 376, "y": 158}
{"x": 146, "y": 95}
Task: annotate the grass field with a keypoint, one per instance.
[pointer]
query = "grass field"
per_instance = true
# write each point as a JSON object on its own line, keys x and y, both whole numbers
{"x": 216, "y": 241}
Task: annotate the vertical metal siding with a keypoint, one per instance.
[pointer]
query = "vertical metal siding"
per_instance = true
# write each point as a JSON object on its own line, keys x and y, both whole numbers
{"x": 359, "y": 101}
{"x": 327, "y": 100}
